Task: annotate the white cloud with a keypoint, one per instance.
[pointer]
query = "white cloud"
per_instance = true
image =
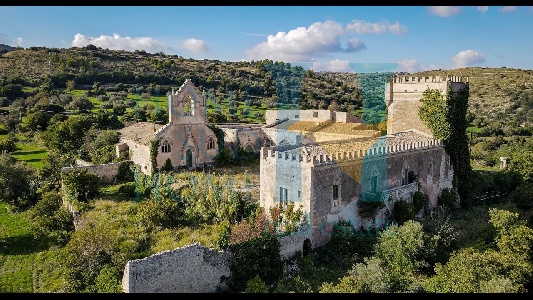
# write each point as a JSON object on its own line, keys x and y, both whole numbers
{"x": 444, "y": 11}
{"x": 482, "y": 9}
{"x": 467, "y": 58}
{"x": 504, "y": 9}
{"x": 303, "y": 44}
{"x": 412, "y": 66}
{"x": 336, "y": 65}
{"x": 355, "y": 45}
{"x": 117, "y": 42}
{"x": 4, "y": 40}
{"x": 195, "y": 46}
{"x": 364, "y": 27}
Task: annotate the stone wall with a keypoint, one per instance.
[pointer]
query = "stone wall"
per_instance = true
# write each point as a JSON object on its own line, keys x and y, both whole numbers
{"x": 106, "y": 172}
{"x": 189, "y": 269}
{"x": 192, "y": 268}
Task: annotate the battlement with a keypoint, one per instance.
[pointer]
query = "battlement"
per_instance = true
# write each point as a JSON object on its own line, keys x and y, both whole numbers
{"x": 427, "y": 79}
{"x": 320, "y": 157}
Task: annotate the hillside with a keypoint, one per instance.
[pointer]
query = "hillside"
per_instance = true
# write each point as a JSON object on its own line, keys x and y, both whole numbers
{"x": 498, "y": 96}
{"x": 267, "y": 81}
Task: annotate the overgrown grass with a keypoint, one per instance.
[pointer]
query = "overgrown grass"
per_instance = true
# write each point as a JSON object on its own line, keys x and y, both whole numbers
{"x": 28, "y": 150}
{"x": 18, "y": 252}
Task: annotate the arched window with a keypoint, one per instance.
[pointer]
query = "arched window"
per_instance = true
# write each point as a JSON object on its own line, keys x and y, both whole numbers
{"x": 188, "y": 106}
{"x": 165, "y": 148}
{"x": 210, "y": 143}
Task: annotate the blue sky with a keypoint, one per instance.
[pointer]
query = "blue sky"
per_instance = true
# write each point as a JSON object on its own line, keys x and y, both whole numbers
{"x": 323, "y": 38}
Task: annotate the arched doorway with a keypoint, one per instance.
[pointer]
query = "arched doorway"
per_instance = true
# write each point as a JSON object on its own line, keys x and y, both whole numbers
{"x": 188, "y": 158}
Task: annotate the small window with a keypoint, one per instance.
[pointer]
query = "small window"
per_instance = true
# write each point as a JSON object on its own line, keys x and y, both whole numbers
{"x": 165, "y": 148}
{"x": 315, "y": 114}
{"x": 299, "y": 194}
{"x": 210, "y": 143}
{"x": 405, "y": 176}
{"x": 430, "y": 168}
{"x": 373, "y": 184}
{"x": 296, "y": 116}
{"x": 335, "y": 192}
{"x": 294, "y": 156}
{"x": 283, "y": 194}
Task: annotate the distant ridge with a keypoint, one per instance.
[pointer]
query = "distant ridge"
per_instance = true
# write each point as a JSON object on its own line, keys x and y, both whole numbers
{"x": 7, "y": 47}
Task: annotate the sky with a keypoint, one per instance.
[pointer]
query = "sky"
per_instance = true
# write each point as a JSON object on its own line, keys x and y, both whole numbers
{"x": 321, "y": 38}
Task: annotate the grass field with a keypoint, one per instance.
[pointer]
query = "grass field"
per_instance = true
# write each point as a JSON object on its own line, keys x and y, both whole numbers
{"x": 28, "y": 150}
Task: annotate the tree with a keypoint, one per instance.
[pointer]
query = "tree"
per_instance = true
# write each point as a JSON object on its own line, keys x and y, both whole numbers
{"x": 80, "y": 185}
{"x": 18, "y": 182}
{"x": 38, "y": 120}
{"x": 71, "y": 85}
{"x": 67, "y": 136}
{"x": 99, "y": 145}
{"x": 81, "y": 104}
{"x": 51, "y": 219}
{"x": 508, "y": 268}
{"x": 50, "y": 173}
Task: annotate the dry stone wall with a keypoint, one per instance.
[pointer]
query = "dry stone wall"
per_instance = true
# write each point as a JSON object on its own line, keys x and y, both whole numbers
{"x": 190, "y": 269}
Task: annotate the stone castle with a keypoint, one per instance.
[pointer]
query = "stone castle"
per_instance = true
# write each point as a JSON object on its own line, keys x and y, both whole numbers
{"x": 327, "y": 161}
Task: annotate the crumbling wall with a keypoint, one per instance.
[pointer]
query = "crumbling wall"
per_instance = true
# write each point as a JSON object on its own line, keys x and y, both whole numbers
{"x": 189, "y": 269}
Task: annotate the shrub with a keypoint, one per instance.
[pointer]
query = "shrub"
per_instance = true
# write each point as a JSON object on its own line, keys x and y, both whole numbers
{"x": 51, "y": 219}
{"x": 164, "y": 213}
{"x": 522, "y": 196}
{"x": 258, "y": 257}
{"x": 402, "y": 212}
{"x": 420, "y": 200}
{"x": 448, "y": 199}
{"x": 167, "y": 166}
{"x": 256, "y": 285}
{"x": 80, "y": 184}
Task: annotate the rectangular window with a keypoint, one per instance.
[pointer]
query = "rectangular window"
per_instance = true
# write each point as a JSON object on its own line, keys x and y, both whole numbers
{"x": 315, "y": 114}
{"x": 283, "y": 194}
{"x": 299, "y": 194}
{"x": 373, "y": 184}
{"x": 296, "y": 116}
{"x": 335, "y": 192}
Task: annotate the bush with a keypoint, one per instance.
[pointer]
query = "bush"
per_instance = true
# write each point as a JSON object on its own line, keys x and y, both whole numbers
{"x": 402, "y": 212}
{"x": 52, "y": 220}
{"x": 258, "y": 257}
{"x": 522, "y": 196}
{"x": 167, "y": 166}
{"x": 420, "y": 200}
{"x": 256, "y": 285}
{"x": 125, "y": 172}
{"x": 127, "y": 189}
{"x": 80, "y": 184}
{"x": 448, "y": 199}
{"x": 8, "y": 145}
{"x": 164, "y": 213}
{"x": 18, "y": 182}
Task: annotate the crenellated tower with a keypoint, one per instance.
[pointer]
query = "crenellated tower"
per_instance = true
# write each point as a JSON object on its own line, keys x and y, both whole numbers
{"x": 403, "y": 94}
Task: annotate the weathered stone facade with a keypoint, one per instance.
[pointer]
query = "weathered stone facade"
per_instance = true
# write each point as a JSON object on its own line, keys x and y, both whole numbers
{"x": 403, "y": 94}
{"x": 329, "y": 167}
{"x": 186, "y": 139}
